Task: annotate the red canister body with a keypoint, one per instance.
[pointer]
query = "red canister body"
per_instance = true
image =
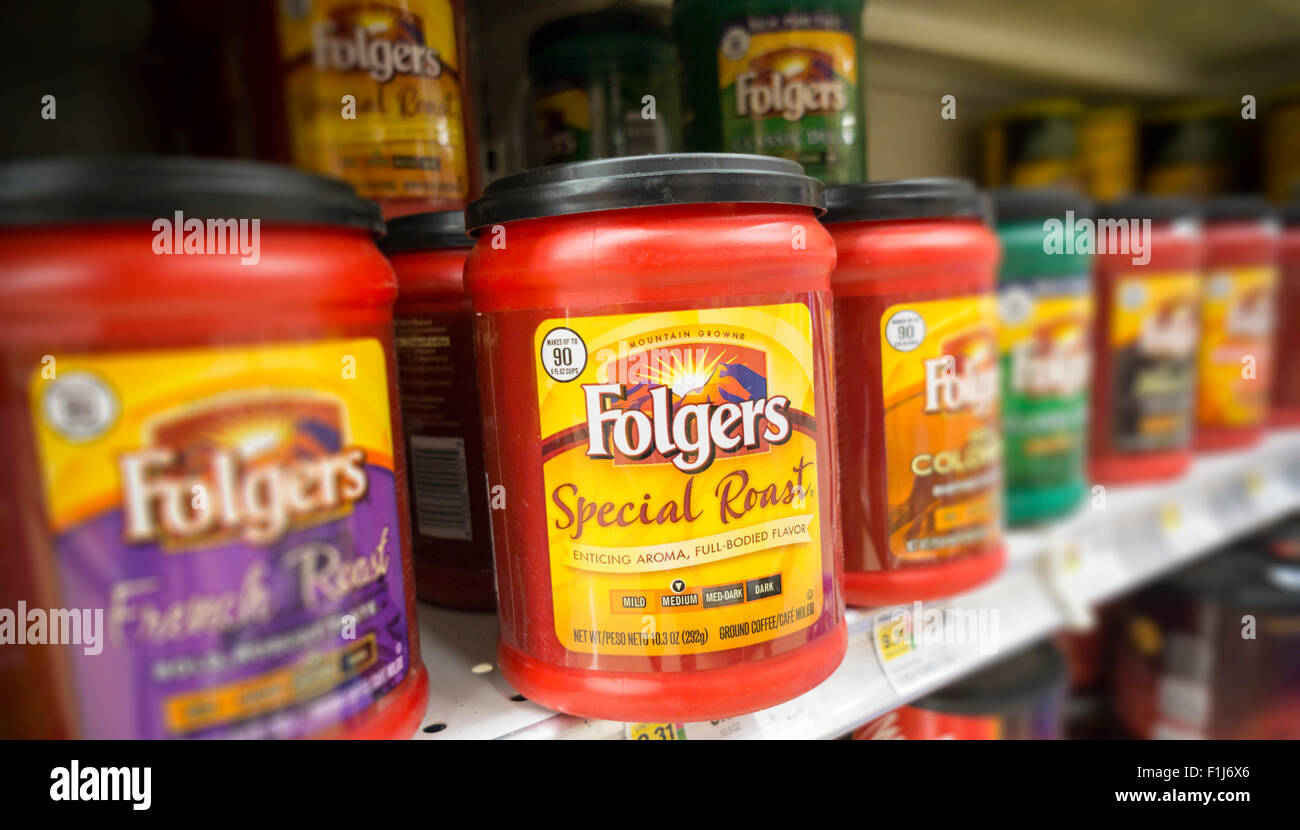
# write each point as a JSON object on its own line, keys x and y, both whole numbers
{"x": 451, "y": 542}
{"x": 916, "y": 391}
{"x": 1286, "y": 376}
{"x": 1145, "y": 340}
{"x": 1179, "y": 670}
{"x": 1018, "y": 698}
{"x": 643, "y": 575}
{"x": 201, "y": 444}
{"x": 1235, "y": 371}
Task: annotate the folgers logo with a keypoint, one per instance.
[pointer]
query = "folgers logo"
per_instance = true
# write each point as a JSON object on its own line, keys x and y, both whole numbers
{"x": 1170, "y": 331}
{"x": 685, "y": 407}
{"x": 963, "y": 380}
{"x": 956, "y": 384}
{"x": 250, "y": 471}
{"x": 1251, "y": 316}
{"x": 1052, "y": 362}
{"x": 379, "y": 40}
{"x": 792, "y": 83}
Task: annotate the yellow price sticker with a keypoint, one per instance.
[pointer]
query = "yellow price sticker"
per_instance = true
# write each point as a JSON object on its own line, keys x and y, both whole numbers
{"x": 656, "y": 732}
{"x": 1171, "y": 517}
{"x": 891, "y": 644}
{"x": 1073, "y": 558}
{"x": 1254, "y": 482}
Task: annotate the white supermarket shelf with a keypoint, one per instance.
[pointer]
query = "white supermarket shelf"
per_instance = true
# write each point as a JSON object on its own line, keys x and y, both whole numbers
{"x": 1055, "y": 574}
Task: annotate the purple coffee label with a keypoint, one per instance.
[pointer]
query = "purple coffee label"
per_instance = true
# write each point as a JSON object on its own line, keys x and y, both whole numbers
{"x": 241, "y": 537}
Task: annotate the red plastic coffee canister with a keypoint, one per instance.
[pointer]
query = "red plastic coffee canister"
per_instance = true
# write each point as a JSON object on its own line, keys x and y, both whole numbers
{"x": 451, "y": 540}
{"x": 1286, "y": 376}
{"x": 1019, "y": 698}
{"x": 654, "y": 363}
{"x": 198, "y": 412}
{"x": 1235, "y": 372}
{"x": 1148, "y": 284}
{"x": 1179, "y": 666}
{"x": 916, "y": 364}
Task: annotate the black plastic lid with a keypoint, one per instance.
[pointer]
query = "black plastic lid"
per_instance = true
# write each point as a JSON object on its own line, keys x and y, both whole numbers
{"x": 643, "y": 181}
{"x": 126, "y": 188}
{"x": 610, "y": 20}
{"x": 1155, "y": 208}
{"x": 426, "y": 232}
{"x": 1013, "y": 204}
{"x": 903, "y": 199}
{"x": 1238, "y": 578}
{"x": 1239, "y": 207}
{"x": 1016, "y": 682}
{"x": 1291, "y": 213}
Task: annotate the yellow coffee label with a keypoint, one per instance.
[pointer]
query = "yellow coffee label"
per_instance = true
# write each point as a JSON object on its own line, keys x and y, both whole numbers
{"x": 1236, "y": 346}
{"x": 1153, "y": 333}
{"x": 1045, "y": 338}
{"x": 1044, "y": 332}
{"x": 562, "y": 124}
{"x": 656, "y": 732}
{"x": 943, "y": 468}
{"x": 760, "y": 70}
{"x": 373, "y": 95}
{"x": 1108, "y": 142}
{"x": 788, "y": 86}
{"x": 680, "y": 465}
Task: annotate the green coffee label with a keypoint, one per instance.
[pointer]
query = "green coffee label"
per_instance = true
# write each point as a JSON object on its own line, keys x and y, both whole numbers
{"x": 562, "y": 124}
{"x": 789, "y": 88}
{"x": 1043, "y": 336}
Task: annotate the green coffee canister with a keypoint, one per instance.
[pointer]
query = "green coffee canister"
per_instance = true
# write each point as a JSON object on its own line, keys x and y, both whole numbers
{"x": 1045, "y": 322}
{"x": 776, "y": 77}
{"x": 603, "y": 84}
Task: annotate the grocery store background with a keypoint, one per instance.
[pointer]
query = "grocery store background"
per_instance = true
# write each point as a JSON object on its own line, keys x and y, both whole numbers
{"x": 123, "y": 94}
{"x": 1123, "y": 621}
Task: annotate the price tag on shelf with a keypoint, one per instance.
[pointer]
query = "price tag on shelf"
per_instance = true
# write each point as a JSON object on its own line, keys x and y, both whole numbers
{"x": 1232, "y": 502}
{"x": 1171, "y": 519}
{"x": 1185, "y": 529}
{"x": 744, "y": 726}
{"x": 908, "y": 662}
{"x": 797, "y": 718}
{"x": 741, "y": 726}
{"x": 1268, "y": 492}
{"x": 656, "y": 732}
{"x": 1085, "y": 569}
{"x": 1291, "y": 472}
